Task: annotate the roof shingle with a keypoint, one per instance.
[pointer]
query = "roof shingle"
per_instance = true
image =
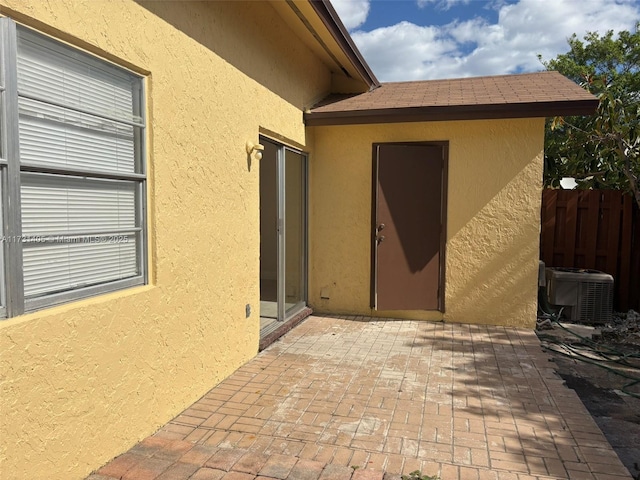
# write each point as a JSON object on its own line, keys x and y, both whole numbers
{"x": 541, "y": 94}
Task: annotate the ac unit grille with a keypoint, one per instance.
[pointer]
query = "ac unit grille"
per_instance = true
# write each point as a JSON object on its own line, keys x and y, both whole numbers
{"x": 595, "y": 302}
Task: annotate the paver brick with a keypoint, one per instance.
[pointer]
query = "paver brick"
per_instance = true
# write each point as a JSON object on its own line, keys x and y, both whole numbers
{"x": 577, "y": 466}
{"x": 208, "y": 474}
{"x": 199, "y": 454}
{"x": 224, "y": 459}
{"x": 251, "y": 462}
{"x": 216, "y": 438}
{"x": 238, "y": 476}
{"x": 336, "y": 472}
{"x": 150, "y": 445}
{"x": 292, "y": 448}
{"x": 180, "y": 431}
{"x": 199, "y": 434}
{"x": 121, "y": 465}
{"x": 394, "y": 463}
{"x": 365, "y": 474}
{"x": 178, "y": 471}
{"x": 391, "y": 476}
{"x": 450, "y": 472}
{"x": 579, "y": 475}
{"x": 469, "y": 473}
{"x": 606, "y": 476}
{"x": 555, "y": 467}
{"x": 377, "y": 461}
{"x": 306, "y": 470}
{"x": 247, "y": 441}
{"x": 147, "y": 469}
{"x": 360, "y": 459}
{"x": 411, "y": 465}
{"x": 343, "y": 456}
{"x": 278, "y": 466}
{"x": 173, "y": 450}
{"x": 325, "y": 454}
{"x": 610, "y": 468}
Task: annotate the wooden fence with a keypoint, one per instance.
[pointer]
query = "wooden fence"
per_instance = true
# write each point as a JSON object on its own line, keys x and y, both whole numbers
{"x": 594, "y": 229}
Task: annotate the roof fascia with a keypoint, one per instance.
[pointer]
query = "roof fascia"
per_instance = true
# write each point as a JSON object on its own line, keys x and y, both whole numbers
{"x": 334, "y": 25}
{"x": 453, "y": 112}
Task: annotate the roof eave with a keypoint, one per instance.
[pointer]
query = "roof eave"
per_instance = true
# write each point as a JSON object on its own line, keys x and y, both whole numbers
{"x": 453, "y": 112}
{"x": 332, "y": 21}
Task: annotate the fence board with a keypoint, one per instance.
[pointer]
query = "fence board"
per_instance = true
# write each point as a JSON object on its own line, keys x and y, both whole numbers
{"x": 626, "y": 233}
{"x": 571, "y": 216}
{"x": 549, "y": 222}
{"x": 613, "y": 226}
{"x": 634, "y": 283}
{"x": 594, "y": 229}
{"x": 591, "y": 228}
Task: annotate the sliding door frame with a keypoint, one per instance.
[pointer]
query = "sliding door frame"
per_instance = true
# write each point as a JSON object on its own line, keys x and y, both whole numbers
{"x": 284, "y": 313}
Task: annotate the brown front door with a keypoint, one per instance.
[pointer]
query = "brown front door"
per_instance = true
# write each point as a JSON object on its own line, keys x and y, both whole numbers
{"x": 408, "y": 226}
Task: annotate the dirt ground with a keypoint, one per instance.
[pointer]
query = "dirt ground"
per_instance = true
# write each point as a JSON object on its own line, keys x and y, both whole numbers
{"x": 602, "y": 364}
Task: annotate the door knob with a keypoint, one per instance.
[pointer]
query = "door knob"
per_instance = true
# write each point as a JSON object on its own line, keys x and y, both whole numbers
{"x": 380, "y": 227}
{"x": 380, "y": 239}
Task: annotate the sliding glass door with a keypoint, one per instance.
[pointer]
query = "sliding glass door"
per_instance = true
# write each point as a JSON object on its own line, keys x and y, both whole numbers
{"x": 294, "y": 238}
{"x": 283, "y": 233}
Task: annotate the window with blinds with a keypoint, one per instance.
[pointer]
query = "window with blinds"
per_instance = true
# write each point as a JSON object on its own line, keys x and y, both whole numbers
{"x": 72, "y": 161}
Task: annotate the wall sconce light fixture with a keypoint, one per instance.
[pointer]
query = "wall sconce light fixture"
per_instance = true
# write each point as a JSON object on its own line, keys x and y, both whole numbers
{"x": 254, "y": 147}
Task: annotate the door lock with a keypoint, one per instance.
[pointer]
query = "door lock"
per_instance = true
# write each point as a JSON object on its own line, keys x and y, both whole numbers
{"x": 380, "y": 227}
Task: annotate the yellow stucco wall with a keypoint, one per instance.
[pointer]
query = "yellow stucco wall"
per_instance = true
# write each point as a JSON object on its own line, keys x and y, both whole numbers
{"x": 83, "y": 382}
{"x": 493, "y": 218}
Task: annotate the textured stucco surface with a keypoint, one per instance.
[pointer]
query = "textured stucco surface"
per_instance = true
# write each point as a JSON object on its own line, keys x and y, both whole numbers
{"x": 82, "y": 382}
{"x": 493, "y": 218}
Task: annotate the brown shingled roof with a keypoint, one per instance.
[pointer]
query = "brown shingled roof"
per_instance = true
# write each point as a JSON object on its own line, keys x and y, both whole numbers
{"x": 542, "y": 94}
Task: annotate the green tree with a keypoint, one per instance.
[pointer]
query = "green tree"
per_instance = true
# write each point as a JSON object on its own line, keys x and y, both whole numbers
{"x": 602, "y": 150}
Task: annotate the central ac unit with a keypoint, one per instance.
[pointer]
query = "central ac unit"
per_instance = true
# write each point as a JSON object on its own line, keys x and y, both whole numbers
{"x": 587, "y": 295}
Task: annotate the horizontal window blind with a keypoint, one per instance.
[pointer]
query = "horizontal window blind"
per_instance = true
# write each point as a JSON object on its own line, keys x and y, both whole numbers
{"x": 58, "y": 137}
{"x": 57, "y": 204}
{"x": 55, "y": 72}
{"x": 79, "y": 177}
{"x": 76, "y": 262}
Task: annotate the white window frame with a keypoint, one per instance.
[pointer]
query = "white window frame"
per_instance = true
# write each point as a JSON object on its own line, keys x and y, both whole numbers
{"x": 13, "y": 301}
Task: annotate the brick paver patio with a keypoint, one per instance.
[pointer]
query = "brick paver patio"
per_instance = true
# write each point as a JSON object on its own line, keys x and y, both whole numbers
{"x": 365, "y": 399}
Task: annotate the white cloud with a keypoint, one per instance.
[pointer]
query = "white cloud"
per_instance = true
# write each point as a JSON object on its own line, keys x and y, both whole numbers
{"x": 441, "y": 4}
{"x": 403, "y": 50}
{"x": 353, "y": 13}
{"x": 406, "y": 51}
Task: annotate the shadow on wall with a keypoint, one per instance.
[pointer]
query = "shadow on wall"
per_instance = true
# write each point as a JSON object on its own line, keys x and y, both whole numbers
{"x": 502, "y": 268}
{"x": 493, "y": 246}
{"x": 407, "y": 186}
{"x": 492, "y": 255}
{"x": 253, "y": 39}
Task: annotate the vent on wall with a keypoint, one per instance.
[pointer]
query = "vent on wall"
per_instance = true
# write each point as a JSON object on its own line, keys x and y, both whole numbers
{"x": 587, "y": 295}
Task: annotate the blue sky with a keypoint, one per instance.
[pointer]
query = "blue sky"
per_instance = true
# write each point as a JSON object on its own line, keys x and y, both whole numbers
{"x": 428, "y": 39}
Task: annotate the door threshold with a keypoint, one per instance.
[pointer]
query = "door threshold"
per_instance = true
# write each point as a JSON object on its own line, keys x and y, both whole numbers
{"x": 277, "y": 329}
{"x": 268, "y": 325}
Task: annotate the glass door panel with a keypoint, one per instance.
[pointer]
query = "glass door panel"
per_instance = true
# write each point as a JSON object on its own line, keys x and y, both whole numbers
{"x": 294, "y": 231}
{"x": 283, "y": 226}
{"x": 269, "y": 231}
